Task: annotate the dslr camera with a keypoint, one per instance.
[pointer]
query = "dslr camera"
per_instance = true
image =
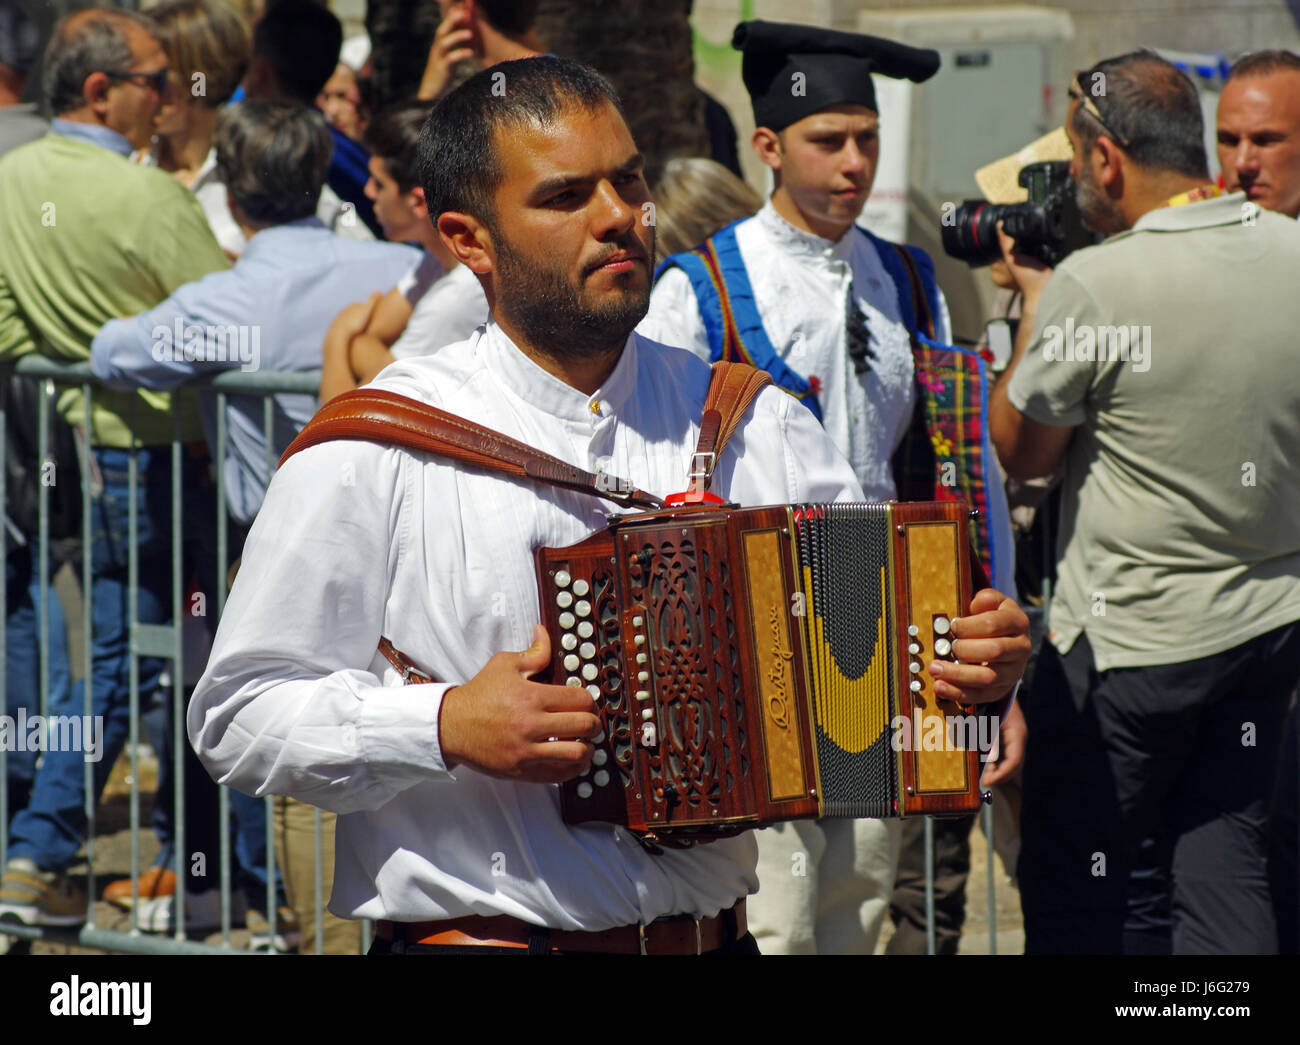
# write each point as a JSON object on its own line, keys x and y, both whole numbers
{"x": 1048, "y": 226}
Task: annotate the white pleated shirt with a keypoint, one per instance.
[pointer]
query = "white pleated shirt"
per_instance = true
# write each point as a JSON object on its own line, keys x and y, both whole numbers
{"x": 358, "y": 541}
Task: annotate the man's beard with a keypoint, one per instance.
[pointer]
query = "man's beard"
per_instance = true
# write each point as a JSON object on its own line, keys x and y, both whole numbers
{"x": 547, "y": 309}
{"x": 1099, "y": 212}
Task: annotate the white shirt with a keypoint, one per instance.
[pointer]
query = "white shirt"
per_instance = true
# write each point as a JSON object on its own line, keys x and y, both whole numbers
{"x": 800, "y": 284}
{"x": 357, "y": 541}
{"x": 210, "y": 190}
{"x": 446, "y": 307}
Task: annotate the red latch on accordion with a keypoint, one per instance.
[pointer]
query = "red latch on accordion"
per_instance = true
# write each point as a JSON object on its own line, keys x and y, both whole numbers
{"x": 697, "y": 492}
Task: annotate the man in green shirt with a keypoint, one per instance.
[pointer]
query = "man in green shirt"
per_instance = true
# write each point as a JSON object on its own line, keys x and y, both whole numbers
{"x": 1159, "y": 366}
{"x": 86, "y": 236}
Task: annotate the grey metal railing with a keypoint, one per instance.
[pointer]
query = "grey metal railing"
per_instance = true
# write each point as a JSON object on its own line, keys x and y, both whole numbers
{"x": 145, "y": 640}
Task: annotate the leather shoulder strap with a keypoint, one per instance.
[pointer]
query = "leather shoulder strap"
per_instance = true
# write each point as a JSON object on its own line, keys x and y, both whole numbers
{"x": 732, "y": 387}
{"x": 383, "y": 417}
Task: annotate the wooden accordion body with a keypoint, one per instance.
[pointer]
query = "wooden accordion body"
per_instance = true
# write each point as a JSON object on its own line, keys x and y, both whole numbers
{"x": 749, "y": 664}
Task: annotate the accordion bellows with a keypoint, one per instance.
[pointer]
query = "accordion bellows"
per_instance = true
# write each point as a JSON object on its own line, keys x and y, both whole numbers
{"x": 754, "y": 665}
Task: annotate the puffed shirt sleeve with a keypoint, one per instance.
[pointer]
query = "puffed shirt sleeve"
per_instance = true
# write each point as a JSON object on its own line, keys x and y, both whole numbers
{"x": 290, "y": 703}
{"x": 674, "y": 316}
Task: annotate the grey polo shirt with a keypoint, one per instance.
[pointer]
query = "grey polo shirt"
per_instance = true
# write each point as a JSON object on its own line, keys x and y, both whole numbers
{"x": 1172, "y": 349}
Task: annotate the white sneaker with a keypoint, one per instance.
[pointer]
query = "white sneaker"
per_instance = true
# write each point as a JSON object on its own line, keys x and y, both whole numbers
{"x": 202, "y": 912}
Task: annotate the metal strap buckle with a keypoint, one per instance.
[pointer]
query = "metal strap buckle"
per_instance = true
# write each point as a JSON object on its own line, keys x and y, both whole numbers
{"x": 702, "y": 465}
{"x": 699, "y": 939}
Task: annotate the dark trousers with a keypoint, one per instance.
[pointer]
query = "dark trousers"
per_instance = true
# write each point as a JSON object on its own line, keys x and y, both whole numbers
{"x": 1146, "y": 801}
{"x": 1284, "y": 838}
{"x": 951, "y": 866}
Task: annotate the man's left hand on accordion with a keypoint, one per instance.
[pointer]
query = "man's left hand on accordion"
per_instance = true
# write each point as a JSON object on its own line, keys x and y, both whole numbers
{"x": 992, "y": 648}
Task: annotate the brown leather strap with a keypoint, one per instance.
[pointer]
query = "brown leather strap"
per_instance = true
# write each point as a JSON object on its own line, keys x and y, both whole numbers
{"x": 678, "y": 934}
{"x": 411, "y": 675}
{"x": 732, "y": 388}
{"x": 396, "y": 420}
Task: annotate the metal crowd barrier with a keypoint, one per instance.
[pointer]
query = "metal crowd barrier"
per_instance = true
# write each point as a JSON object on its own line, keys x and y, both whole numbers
{"x": 167, "y": 642}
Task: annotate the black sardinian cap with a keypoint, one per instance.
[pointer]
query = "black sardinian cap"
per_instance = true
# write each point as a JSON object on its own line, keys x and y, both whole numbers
{"x": 793, "y": 71}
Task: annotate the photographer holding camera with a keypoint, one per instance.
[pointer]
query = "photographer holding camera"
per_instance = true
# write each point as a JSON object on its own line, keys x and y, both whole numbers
{"x": 1155, "y": 365}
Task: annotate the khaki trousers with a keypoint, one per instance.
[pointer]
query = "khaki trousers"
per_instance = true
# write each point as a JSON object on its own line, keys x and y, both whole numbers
{"x": 295, "y": 853}
{"x": 824, "y": 887}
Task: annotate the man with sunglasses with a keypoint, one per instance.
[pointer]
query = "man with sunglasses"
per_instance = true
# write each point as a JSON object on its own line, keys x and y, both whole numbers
{"x": 86, "y": 236}
{"x": 1154, "y": 364}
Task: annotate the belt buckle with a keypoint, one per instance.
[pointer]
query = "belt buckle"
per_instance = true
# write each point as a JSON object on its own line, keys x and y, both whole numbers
{"x": 699, "y": 948}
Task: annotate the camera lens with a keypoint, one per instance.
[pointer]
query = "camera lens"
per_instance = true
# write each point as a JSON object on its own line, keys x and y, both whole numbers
{"x": 970, "y": 232}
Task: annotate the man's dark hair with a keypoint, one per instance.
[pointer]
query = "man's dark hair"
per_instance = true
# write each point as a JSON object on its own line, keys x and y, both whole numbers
{"x": 459, "y": 166}
{"x": 86, "y": 42}
{"x": 273, "y": 158}
{"x": 301, "y": 40}
{"x": 1262, "y": 63}
{"x": 512, "y": 17}
{"x": 394, "y": 136}
{"x": 1149, "y": 103}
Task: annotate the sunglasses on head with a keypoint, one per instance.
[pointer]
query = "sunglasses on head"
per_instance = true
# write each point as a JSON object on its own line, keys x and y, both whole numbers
{"x": 156, "y": 81}
{"x": 1090, "y": 107}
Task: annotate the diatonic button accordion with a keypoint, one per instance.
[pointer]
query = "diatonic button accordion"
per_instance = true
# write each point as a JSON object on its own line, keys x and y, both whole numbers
{"x": 756, "y": 665}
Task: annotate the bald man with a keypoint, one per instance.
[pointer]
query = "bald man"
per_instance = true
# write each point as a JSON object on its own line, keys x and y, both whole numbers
{"x": 1259, "y": 130}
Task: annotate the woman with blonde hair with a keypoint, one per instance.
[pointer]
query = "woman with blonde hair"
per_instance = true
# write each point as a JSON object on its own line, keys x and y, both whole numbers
{"x": 695, "y": 197}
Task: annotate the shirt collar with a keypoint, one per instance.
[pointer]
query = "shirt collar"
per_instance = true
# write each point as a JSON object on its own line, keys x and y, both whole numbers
{"x": 269, "y": 238}
{"x": 1204, "y": 214}
{"x": 547, "y": 392}
{"x": 795, "y": 241}
{"x": 94, "y": 133}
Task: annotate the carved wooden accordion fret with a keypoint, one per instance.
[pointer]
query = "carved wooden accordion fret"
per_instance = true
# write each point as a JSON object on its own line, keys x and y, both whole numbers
{"x": 751, "y": 665}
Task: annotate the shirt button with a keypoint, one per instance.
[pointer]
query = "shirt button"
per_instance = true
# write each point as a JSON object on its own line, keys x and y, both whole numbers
{"x": 595, "y": 407}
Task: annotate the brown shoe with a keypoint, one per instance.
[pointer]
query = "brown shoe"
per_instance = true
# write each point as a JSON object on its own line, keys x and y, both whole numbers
{"x": 155, "y": 882}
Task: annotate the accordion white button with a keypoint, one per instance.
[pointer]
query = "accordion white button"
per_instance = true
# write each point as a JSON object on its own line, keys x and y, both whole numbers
{"x": 914, "y": 668}
{"x": 564, "y": 600}
{"x": 584, "y": 790}
{"x": 599, "y": 758}
{"x": 941, "y": 625}
{"x": 573, "y": 680}
{"x": 569, "y": 641}
{"x": 587, "y": 650}
{"x": 913, "y": 630}
{"x": 595, "y": 695}
{"x": 599, "y": 738}
{"x": 601, "y": 778}
{"x": 913, "y": 648}
{"x": 641, "y": 658}
{"x": 643, "y": 676}
{"x": 562, "y": 579}
{"x": 583, "y": 608}
{"x": 566, "y": 621}
{"x": 638, "y": 622}
{"x": 639, "y": 640}
{"x": 643, "y": 694}
{"x": 589, "y": 672}
{"x": 571, "y": 662}
{"x": 916, "y": 685}
{"x": 581, "y": 587}
{"x": 586, "y": 630}
{"x": 943, "y": 647}
{"x": 647, "y": 713}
